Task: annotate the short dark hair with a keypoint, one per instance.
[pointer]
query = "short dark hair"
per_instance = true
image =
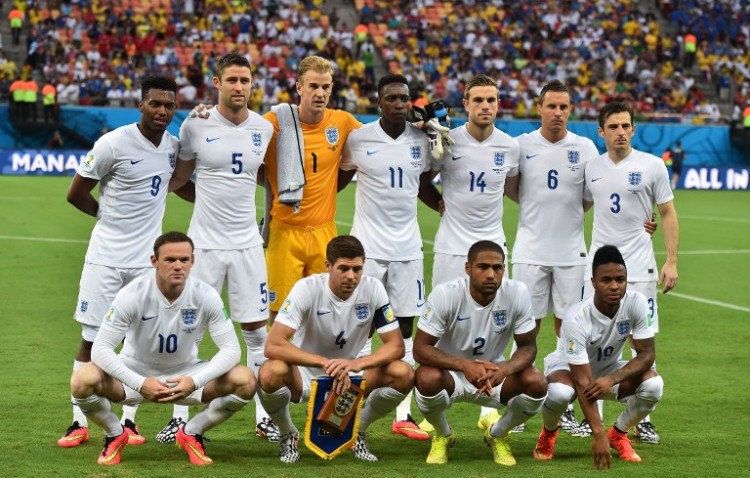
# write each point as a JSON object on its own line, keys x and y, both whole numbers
{"x": 478, "y": 80}
{"x": 171, "y": 237}
{"x": 556, "y": 86}
{"x": 231, "y": 59}
{"x": 484, "y": 246}
{"x": 608, "y": 254}
{"x": 347, "y": 247}
{"x": 612, "y": 108}
{"x": 391, "y": 78}
{"x": 157, "y": 82}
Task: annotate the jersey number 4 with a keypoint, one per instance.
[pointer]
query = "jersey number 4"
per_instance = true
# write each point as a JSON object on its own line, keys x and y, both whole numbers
{"x": 340, "y": 340}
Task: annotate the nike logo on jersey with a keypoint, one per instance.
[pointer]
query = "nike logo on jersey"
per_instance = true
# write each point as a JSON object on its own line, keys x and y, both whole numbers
{"x": 148, "y": 318}
{"x": 593, "y": 180}
{"x": 419, "y": 306}
{"x": 210, "y": 140}
{"x": 323, "y": 312}
{"x": 454, "y": 158}
{"x": 370, "y": 153}
{"x": 135, "y": 162}
{"x": 531, "y": 156}
{"x": 459, "y": 318}
{"x": 262, "y": 309}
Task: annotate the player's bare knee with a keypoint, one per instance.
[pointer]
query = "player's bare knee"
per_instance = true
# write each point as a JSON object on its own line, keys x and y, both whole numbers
{"x": 85, "y": 381}
{"x": 535, "y": 383}
{"x": 243, "y": 382}
{"x": 271, "y": 375}
{"x": 401, "y": 376}
{"x": 428, "y": 380}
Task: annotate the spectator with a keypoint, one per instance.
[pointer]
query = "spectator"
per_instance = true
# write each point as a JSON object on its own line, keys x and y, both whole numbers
{"x": 49, "y": 100}
{"x": 56, "y": 141}
{"x": 16, "y": 18}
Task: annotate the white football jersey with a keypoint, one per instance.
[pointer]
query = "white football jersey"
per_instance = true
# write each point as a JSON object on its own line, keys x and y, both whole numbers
{"x": 473, "y": 176}
{"x": 227, "y": 158}
{"x": 162, "y": 335}
{"x": 466, "y": 329}
{"x": 624, "y": 195}
{"x": 388, "y": 170}
{"x": 331, "y": 327}
{"x": 133, "y": 177}
{"x": 588, "y": 336}
{"x": 550, "y": 216}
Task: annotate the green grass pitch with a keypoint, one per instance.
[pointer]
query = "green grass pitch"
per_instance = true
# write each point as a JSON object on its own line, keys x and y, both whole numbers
{"x": 702, "y": 352}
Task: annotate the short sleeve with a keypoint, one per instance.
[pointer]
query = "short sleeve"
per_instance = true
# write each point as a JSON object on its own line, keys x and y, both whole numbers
{"x": 294, "y": 309}
{"x": 99, "y": 161}
{"x": 662, "y": 186}
{"x": 187, "y": 151}
{"x": 347, "y": 161}
{"x": 435, "y": 314}
{"x": 574, "y": 340}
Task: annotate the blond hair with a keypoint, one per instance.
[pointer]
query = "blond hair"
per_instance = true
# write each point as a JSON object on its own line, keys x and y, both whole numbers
{"x": 317, "y": 64}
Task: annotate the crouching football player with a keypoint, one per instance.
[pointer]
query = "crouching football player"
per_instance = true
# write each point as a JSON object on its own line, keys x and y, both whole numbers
{"x": 464, "y": 329}
{"x": 588, "y": 362}
{"x": 159, "y": 316}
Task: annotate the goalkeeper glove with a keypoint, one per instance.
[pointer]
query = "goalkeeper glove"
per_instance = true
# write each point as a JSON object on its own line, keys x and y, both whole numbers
{"x": 437, "y": 123}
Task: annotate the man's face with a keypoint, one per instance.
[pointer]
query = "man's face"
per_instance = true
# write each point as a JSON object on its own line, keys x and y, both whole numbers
{"x": 314, "y": 90}
{"x": 344, "y": 275}
{"x": 173, "y": 264}
{"x": 481, "y": 106}
{"x": 157, "y": 110}
{"x": 617, "y": 132}
{"x": 394, "y": 102}
{"x": 234, "y": 87}
{"x": 610, "y": 282}
{"x": 486, "y": 272}
{"x": 554, "y": 112}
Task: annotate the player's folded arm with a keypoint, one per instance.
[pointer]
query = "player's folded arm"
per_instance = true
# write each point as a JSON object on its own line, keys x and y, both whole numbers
{"x": 103, "y": 355}
{"x": 228, "y": 356}
{"x": 279, "y": 347}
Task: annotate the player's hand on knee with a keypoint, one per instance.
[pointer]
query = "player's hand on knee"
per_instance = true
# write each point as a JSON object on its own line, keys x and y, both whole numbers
{"x": 598, "y": 388}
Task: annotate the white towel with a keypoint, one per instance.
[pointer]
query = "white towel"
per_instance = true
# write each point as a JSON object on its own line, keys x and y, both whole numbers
{"x": 290, "y": 150}
{"x": 290, "y": 163}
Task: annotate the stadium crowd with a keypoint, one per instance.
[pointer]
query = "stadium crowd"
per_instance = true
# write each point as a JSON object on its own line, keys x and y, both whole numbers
{"x": 96, "y": 51}
{"x": 601, "y": 49}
